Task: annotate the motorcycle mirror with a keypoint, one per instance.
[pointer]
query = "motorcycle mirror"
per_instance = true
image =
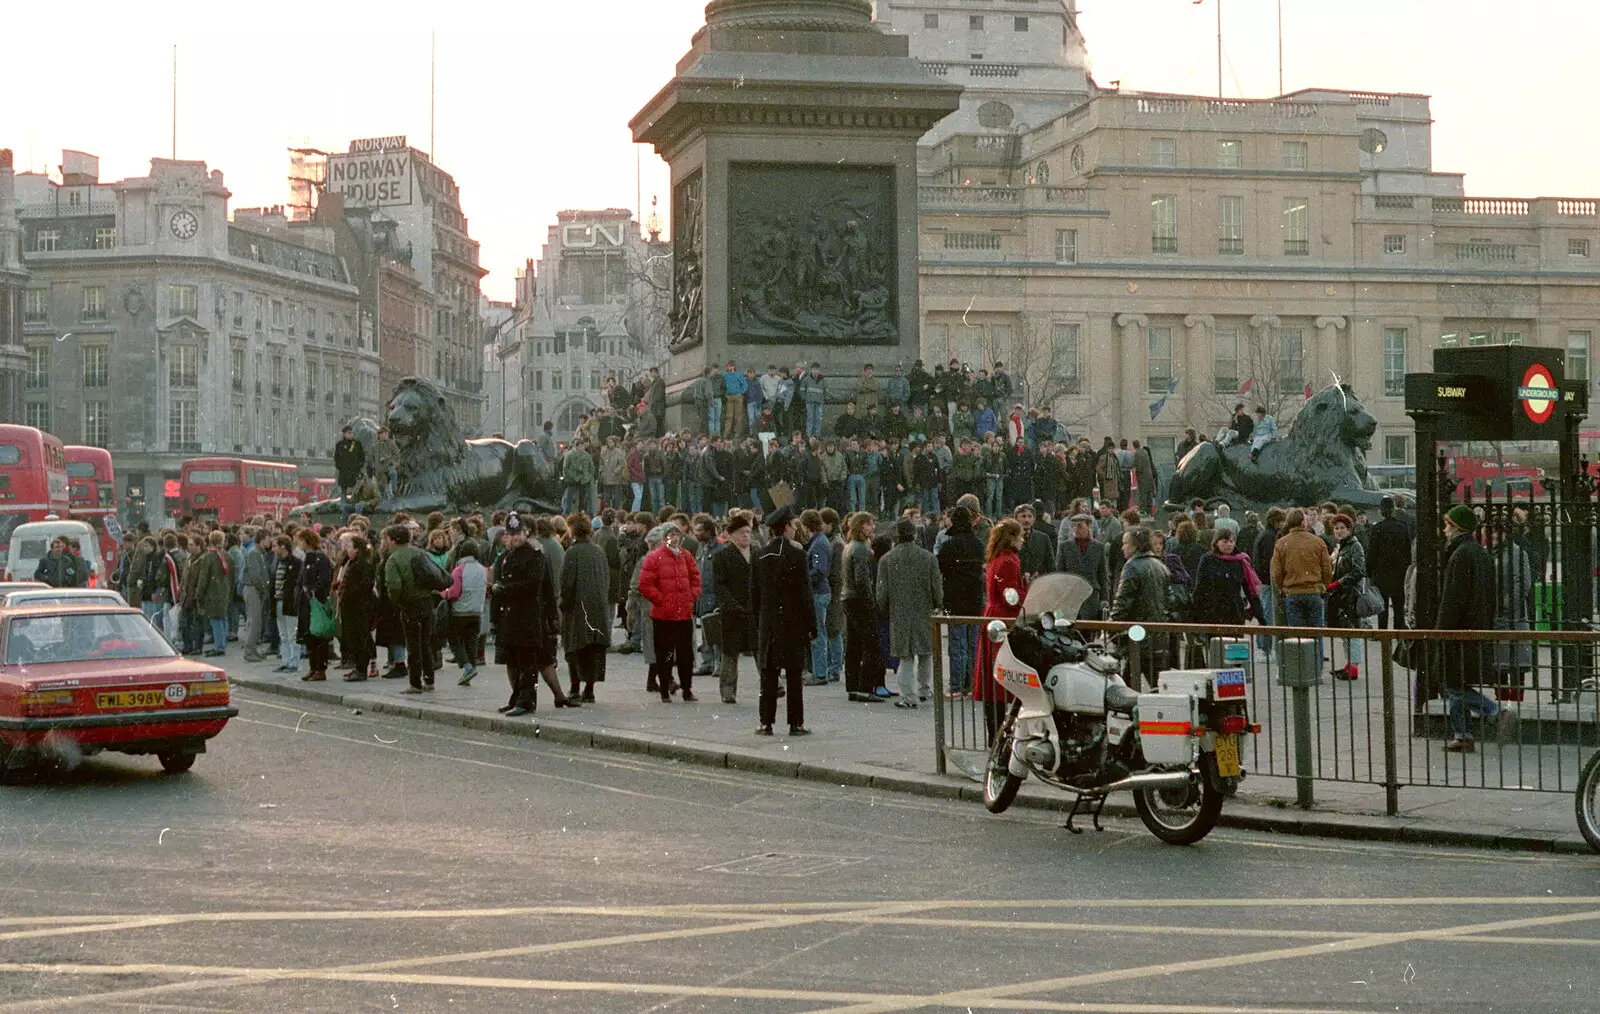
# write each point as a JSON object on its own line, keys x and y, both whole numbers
{"x": 1047, "y": 621}
{"x": 996, "y": 631}
{"x": 1011, "y": 597}
{"x": 1136, "y": 633}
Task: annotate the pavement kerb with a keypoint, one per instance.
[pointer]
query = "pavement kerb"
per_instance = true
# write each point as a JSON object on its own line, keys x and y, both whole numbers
{"x": 1239, "y": 813}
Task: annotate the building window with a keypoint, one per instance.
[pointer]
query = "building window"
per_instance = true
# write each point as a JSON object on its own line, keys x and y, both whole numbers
{"x": 105, "y": 237}
{"x": 1041, "y": 175}
{"x": 594, "y": 380}
{"x": 1578, "y": 355}
{"x": 1291, "y": 360}
{"x": 37, "y": 415}
{"x": 975, "y": 22}
{"x": 1069, "y": 375}
{"x": 1296, "y": 227}
{"x": 930, "y": 21}
{"x": 96, "y": 366}
{"x": 538, "y": 380}
{"x": 1230, "y": 154}
{"x": 183, "y": 366}
{"x": 183, "y": 425}
{"x": 555, "y": 380}
{"x": 312, "y": 369}
{"x": 1577, "y": 248}
{"x": 94, "y": 302}
{"x": 46, "y": 240}
{"x": 1066, "y": 246}
{"x": 96, "y": 424}
{"x": 277, "y": 313}
{"x": 1020, "y": 24}
{"x": 1510, "y": 338}
{"x": 1159, "y": 345}
{"x": 577, "y": 380}
{"x": 239, "y": 426}
{"x": 183, "y": 300}
{"x": 36, "y": 306}
{"x": 1164, "y": 152}
{"x": 1296, "y": 155}
{"x": 1394, "y": 361}
{"x": 1394, "y": 243}
{"x": 1225, "y": 361}
{"x": 236, "y": 370}
{"x": 1230, "y": 225}
{"x": 38, "y": 375}
{"x": 294, "y": 318}
{"x": 1396, "y": 449}
{"x": 311, "y": 324}
{"x": 1164, "y": 224}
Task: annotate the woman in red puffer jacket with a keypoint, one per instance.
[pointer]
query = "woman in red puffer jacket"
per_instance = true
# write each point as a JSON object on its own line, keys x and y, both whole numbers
{"x": 670, "y": 582}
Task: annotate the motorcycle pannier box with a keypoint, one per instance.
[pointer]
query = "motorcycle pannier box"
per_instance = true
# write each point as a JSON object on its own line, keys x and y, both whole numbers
{"x": 1223, "y": 652}
{"x": 1166, "y": 728}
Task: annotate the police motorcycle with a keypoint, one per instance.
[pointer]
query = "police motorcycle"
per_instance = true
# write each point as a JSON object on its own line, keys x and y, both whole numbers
{"x": 1076, "y": 725}
{"x": 1589, "y": 801}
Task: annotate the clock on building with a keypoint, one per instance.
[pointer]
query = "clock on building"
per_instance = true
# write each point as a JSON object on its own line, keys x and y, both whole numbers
{"x": 1077, "y": 158}
{"x": 183, "y": 224}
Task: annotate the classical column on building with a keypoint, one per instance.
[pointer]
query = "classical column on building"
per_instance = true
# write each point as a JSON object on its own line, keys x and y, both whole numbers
{"x": 1132, "y": 366}
{"x": 1334, "y": 355}
{"x": 1198, "y": 386}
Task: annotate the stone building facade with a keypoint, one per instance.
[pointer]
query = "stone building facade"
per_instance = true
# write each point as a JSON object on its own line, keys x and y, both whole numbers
{"x": 1210, "y": 251}
{"x": 158, "y": 328}
{"x": 13, "y": 288}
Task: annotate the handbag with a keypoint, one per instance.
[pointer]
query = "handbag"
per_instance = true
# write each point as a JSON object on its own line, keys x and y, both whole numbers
{"x": 323, "y": 624}
{"x": 711, "y": 627}
{"x": 1368, "y": 600}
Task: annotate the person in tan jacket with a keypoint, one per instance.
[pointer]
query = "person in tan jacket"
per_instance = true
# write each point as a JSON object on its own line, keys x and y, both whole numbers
{"x": 1301, "y": 572}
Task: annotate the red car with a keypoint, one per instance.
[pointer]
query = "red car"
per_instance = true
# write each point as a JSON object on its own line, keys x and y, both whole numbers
{"x": 79, "y": 679}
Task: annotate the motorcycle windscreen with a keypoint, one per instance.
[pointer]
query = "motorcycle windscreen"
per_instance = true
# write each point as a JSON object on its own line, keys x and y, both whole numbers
{"x": 1062, "y": 594}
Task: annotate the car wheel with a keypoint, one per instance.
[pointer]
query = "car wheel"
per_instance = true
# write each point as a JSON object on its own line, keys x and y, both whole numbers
{"x": 176, "y": 763}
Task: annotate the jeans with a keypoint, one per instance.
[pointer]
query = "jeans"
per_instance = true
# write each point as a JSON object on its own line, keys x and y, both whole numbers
{"x": 1459, "y": 702}
{"x": 819, "y": 646}
{"x": 856, "y": 493}
{"x": 288, "y": 647}
{"x": 994, "y": 496}
{"x": 1305, "y": 611}
{"x": 1263, "y": 642}
{"x": 813, "y": 419}
{"x": 219, "y": 633}
{"x": 963, "y": 654}
{"x": 693, "y": 494}
{"x": 344, "y": 504}
{"x": 573, "y": 498}
{"x": 638, "y": 495}
{"x": 928, "y": 499}
{"x": 658, "y": 492}
{"x": 714, "y": 417}
{"x": 755, "y": 498}
{"x": 835, "y": 656}
{"x": 752, "y": 412}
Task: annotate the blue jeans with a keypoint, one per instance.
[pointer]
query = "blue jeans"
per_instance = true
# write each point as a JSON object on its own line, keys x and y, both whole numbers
{"x": 963, "y": 651}
{"x": 819, "y": 646}
{"x": 994, "y": 496}
{"x": 692, "y": 494}
{"x": 755, "y": 498}
{"x": 855, "y": 493}
{"x": 714, "y": 417}
{"x": 752, "y": 412}
{"x": 1458, "y": 702}
{"x": 719, "y": 509}
{"x": 928, "y": 500}
{"x": 658, "y": 493}
{"x": 1305, "y": 611}
{"x": 1263, "y": 642}
{"x": 344, "y": 504}
{"x": 638, "y": 495}
{"x": 813, "y": 419}
{"x": 219, "y": 633}
{"x": 572, "y": 498}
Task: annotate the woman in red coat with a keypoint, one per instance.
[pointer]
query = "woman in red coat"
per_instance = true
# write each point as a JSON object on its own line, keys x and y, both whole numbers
{"x": 1002, "y": 572}
{"x": 670, "y": 582}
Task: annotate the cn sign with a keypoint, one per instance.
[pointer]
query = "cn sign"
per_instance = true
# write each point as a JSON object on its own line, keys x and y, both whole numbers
{"x": 583, "y": 237}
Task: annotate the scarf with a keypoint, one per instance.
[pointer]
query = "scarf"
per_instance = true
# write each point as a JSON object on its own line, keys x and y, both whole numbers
{"x": 1252, "y": 583}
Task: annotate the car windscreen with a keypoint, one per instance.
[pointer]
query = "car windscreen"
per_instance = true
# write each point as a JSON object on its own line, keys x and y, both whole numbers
{"x": 82, "y": 637}
{"x": 30, "y": 599}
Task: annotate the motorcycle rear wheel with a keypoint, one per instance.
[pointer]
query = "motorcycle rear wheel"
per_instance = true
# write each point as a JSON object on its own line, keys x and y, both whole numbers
{"x": 1000, "y": 786}
{"x": 1588, "y": 804}
{"x": 1182, "y": 816}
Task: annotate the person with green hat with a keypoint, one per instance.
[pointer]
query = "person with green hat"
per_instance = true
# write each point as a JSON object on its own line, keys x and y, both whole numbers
{"x": 1466, "y": 602}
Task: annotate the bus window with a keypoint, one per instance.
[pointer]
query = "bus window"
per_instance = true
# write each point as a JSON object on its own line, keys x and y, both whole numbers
{"x": 213, "y": 477}
{"x": 10, "y": 454}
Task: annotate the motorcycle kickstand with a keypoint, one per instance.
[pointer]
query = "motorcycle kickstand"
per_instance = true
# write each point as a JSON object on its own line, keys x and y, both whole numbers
{"x": 1078, "y": 807}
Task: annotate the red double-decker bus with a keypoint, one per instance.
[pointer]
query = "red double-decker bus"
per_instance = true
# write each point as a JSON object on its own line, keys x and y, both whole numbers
{"x": 33, "y": 479}
{"x": 314, "y": 489}
{"x": 92, "y": 492}
{"x": 233, "y": 489}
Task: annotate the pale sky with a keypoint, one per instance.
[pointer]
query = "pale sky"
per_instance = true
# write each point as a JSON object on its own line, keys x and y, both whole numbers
{"x": 534, "y": 97}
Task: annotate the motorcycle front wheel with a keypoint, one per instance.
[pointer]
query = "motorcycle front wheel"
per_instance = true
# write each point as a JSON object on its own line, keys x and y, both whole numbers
{"x": 1589, "y": 802}
{"x": 1182, "y": 816}
{"x": 999, "y": 784}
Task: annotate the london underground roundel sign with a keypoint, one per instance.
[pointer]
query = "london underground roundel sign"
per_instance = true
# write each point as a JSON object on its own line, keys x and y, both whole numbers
{"x": 1538, "y": 393}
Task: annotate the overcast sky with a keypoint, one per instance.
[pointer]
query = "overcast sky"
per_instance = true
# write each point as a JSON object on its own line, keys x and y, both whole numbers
{"x": 534, "y": 97}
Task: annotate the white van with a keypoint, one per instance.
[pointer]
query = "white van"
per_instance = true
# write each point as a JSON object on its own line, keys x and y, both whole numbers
{"x": 30, "y": 543}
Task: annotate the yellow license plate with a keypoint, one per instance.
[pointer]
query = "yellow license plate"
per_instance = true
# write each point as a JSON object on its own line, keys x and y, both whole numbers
{"x": 1227, "y": 755}
{"x": 131, "y": 699}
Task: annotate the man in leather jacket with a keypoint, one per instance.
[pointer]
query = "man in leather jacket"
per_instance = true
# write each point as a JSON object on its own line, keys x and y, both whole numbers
{"x": 1142, "y": 595}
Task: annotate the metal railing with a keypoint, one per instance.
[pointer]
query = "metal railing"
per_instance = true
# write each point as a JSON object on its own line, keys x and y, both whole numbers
{"x": 1387, "y": 727}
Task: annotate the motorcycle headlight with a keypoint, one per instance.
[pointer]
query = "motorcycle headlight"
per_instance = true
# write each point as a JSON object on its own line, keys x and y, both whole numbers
{"x": 1047, "y": 621}
{"x": 996, "y": 631}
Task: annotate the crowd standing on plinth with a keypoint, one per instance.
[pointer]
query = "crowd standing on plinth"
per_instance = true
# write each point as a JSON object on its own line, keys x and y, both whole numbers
{"x": 823, "y": 558}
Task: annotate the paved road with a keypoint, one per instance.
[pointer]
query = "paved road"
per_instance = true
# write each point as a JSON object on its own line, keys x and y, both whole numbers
{"x": 323, "y": 861}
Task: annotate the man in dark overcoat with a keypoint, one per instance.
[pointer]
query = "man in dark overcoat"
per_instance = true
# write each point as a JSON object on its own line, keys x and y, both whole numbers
{"x": 786, "y": 621}
{"x": 527, "y": 618}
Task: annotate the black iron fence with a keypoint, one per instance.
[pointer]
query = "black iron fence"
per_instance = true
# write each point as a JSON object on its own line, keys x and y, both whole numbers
{"x": 1525, "y": 720}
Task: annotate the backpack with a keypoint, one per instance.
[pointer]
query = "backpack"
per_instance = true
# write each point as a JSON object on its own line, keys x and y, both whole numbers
{"x": 427, "y": 574}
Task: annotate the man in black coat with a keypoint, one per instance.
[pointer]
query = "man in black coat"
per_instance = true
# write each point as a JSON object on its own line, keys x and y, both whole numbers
{"x": 1388, "y": 558}
{"x": 527, "y": 619}
{"x": 961, "y": 571}
{"x": 780, "y": 598}
{"x": 730, "y": 579}
{"x": 1077, "y": 552}
{"x": 1466, "y": 602}
{"x": 349, "y": 464}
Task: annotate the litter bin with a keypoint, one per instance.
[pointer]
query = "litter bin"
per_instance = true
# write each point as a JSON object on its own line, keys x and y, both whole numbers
{"x": 1546, "y": 606}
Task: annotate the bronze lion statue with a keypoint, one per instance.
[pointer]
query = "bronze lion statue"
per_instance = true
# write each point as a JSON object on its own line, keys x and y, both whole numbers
{"x": 1322, "y": 458}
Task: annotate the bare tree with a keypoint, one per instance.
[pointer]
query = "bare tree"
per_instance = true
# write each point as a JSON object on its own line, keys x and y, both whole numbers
{"x": 1046, "y": 368}
{"x": 1270, "y": 371}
